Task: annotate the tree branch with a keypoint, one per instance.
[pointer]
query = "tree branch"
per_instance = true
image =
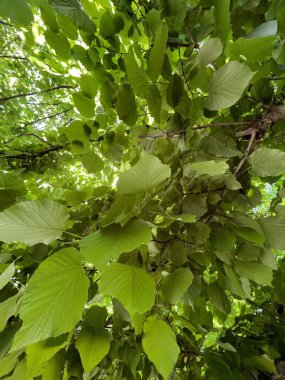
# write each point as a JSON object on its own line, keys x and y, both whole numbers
{"x": 4, "y": 99}
{"x": 33, "y": 156}
{"x": 6, "y": 23}
{"x": 48, "y": 117}
{"x": 14, "y": 57}
{"x": 29, "y": 134}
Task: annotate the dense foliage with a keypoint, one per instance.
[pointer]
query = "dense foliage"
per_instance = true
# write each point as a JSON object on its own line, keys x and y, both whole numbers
{"x": 142, "y": 156}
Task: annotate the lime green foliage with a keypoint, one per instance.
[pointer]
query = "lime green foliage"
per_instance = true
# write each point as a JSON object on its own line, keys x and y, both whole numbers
{"x": 142, "y": 162}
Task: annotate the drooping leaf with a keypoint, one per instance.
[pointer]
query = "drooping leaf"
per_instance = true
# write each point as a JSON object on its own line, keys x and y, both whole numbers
{"x": 92, "y": 162}
{"x": 84, "y": 104}
{"x": 93, "y": 346}
{"x": 255, "y": 271}
{"x": 227, "y": 85}
{"x": 267, "y": 162}
{"x": 33, "y": 222}
{"x": 254, "y": 49}
{"x": 132, "y": 286}
{"x": 222, "y": 18}
{"x": 8, "y": 308}
{"x": 111, "y": 241}
{"x": 18, "y": 11}
{"x": 211, "y": 168}
{"x": 126, "y": 105}
{"x": 11, "y": 187}
{"x": 62, "y": 284}
{"x": 156, "y": 58}
{"x": 159, "y": 343}
{"x": 136, "y": 74}
{"x": 274, "y": 230}
{"x": 145, "y": 175}
{"x": 175, "y": 284}
{"x": 59, "y": 43}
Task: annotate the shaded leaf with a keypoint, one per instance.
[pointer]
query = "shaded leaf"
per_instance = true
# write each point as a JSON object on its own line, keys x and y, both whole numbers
{"x": 175, "y": 284}
{"x": 267, "y": 162}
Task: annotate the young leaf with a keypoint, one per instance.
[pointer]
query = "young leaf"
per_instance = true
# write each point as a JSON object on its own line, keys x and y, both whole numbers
{"x": 84, "y": 104}
{"x": 159, "y": 343}
{"x": 146, "y": 174}
{"x": 110, "y": 242}
{"x": 63, "y": 286}
{"x": 33, "y": 222}
{"x": 132, "y": 286}
{"x": 227, "y": 85}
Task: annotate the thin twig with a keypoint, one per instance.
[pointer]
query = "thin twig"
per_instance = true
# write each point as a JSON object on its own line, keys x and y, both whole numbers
{"x": 14, "y": 57}
{"x": 4, "y": 99}
{"x": 29, "y": 134}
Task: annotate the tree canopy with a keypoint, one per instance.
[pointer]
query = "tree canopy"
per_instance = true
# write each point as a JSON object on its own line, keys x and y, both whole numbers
{"x": 142, "y": 220}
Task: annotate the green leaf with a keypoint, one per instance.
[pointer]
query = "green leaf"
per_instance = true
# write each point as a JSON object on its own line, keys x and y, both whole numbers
{"x": 18, "y": 11}
{"x": 156, "y": 58}
{"x": 255, "y": 271}
{"x": 59, "y": 43}
{"x": 33, "y": 222}
{"x": 146, "y": 174}
{"x": 218, "y": 298}
{"x": 176, "y": 12}
{"x": 175, "y": 284}
{"x": 154, "y": 102}
{"x": 132, "y": 286}
{"x": 126, "y": 105}
{"x": 211, "y": 168}
{"x": 136, "y": 74}
{"x": 92, "y": 162}
{"x": 279, "y": 53}
{"x": 267, "y": 162}
{"x": 227, "y": 85}
{"x": 254, "y": 49}
{"x": 274, "y": 231}
{"x": 8, "y": 308}
{"x": 110, "y": 242}
{"x": 93, "y": 346}
{"x": 153, "y": 19}
{"x": 11, "y": 187}
{"x": 62, "y": 285}
{"x": 7, "y": 275}
{"x": 261, "y": 362}
{"x": 210, "y": 51}
{"x": 268, "y": 28}
{"x": 222, "y": 19}
{"x": 123, "y": 209}
{"x": 159, "y": 343}
{"x": 84, "y": 104}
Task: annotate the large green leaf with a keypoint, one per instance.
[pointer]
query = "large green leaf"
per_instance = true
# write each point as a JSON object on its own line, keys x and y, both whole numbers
{"x": 110, "y": 242}
{"x": 156, "y": 57}
{"x": 33, "y": 222}
{"x": 267, "y": 162}
{"x": 93, "y": 346}
{"x": 175, "y": 284}
{"x": 84, "y": 104}
{"x": 136, "y": 74}
{"x": 210, "y": 51}
{"x": 222, "y": 19}
{"x": 59, "y": 43}
{"x": 18, "y": 11}
{"x": 274, "y": 231}
{"x": 159, "y": 343}
{"x": 132, "y": 286}
{"x": 54, "y": 299}
{"x": 255, "y": 271}
{"x": 146, "y": 174}
{"x": 176, "y": 12}
{"x": 227, "y": 85}
{"x": 126, "y": 105}
{"x": 211, "y": 168}
{"x": 254, "y": 49}
{"x": 11, "y": 187}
